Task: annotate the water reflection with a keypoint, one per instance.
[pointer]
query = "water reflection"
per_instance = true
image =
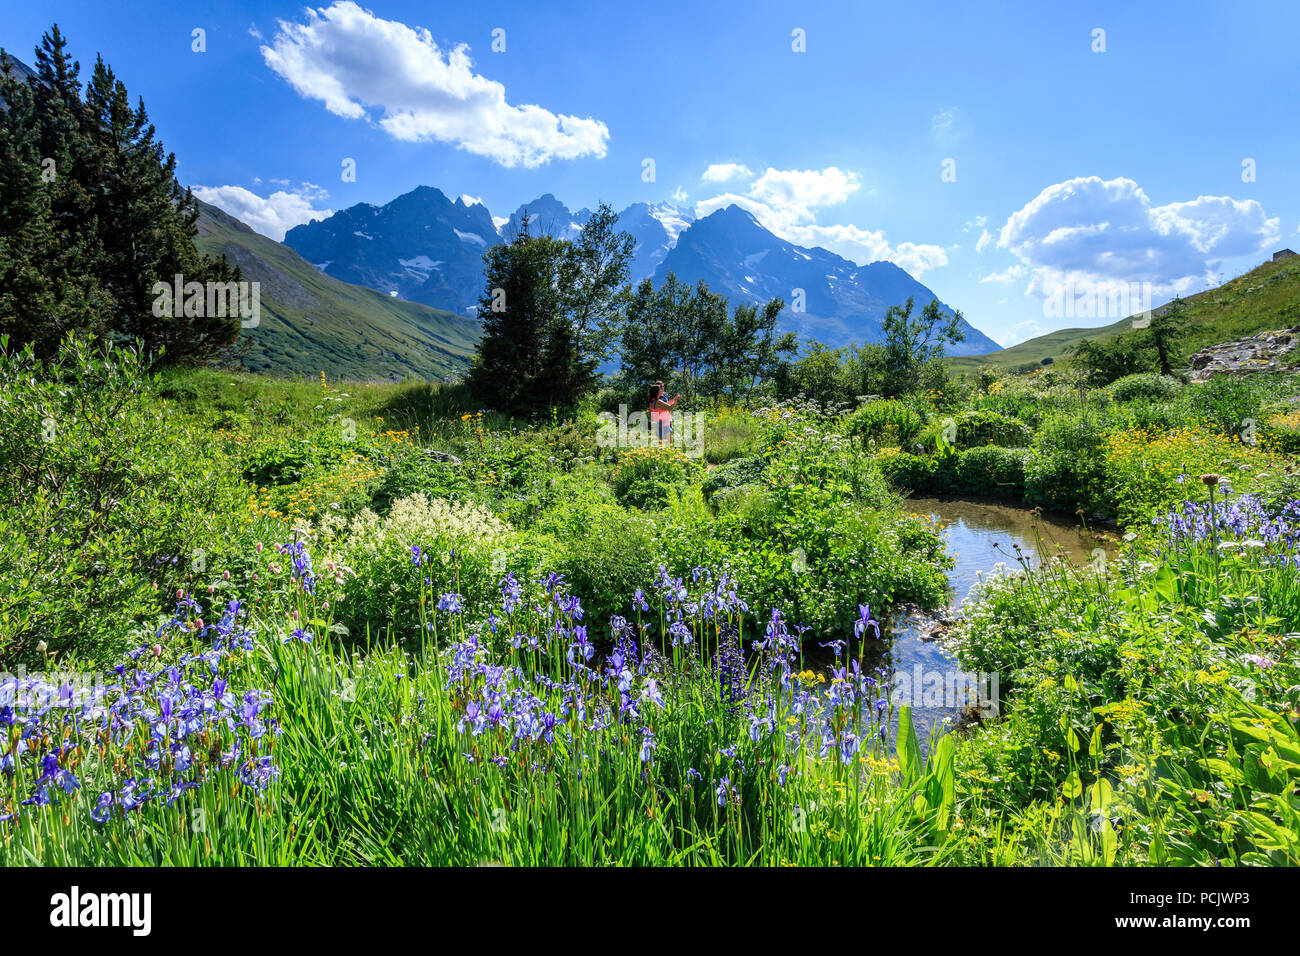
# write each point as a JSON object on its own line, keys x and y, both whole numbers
{"x": 979, "y": 536}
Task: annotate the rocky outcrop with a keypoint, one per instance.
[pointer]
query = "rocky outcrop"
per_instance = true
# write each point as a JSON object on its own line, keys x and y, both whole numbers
{"x": 1259, "y": 353}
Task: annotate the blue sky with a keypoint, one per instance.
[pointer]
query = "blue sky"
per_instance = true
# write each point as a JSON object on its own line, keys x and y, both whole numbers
{"x": 1071, "y": 168}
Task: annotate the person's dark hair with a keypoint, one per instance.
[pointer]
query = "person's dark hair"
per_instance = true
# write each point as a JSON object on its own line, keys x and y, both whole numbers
{"x": 655, "y": 391}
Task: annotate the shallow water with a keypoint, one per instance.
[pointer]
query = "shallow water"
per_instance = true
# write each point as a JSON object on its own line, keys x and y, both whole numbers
{"x": 979, "y": 536}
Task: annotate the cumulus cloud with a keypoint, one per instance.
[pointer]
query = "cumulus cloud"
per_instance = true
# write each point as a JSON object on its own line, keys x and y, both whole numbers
{"x": 1007, "y": 276}
{"x": 802, "y": 190}
{"x": 1106, "y": 233}
{"x": 786, "y": 201}
{"x": 986, "y": 238}
{"x": 383, "y": 71}
{"x": 273, "y": 215}
{"x": 723, "y": 172}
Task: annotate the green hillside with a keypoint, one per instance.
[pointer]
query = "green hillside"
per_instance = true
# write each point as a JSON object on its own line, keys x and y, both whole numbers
{"x": 312, "y": 323}
{"x": 1267, "y": 297}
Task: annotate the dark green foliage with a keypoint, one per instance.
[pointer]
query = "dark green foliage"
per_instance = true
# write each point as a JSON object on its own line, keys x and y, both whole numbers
{"x": 908, "y": 473}
{"x": 992, "y": 472}
{"x": 821, "y": 374}
{"x": 742, "y": 471}
{"x": 286, "y": 463}
{"x": 687, "y": 337}
{"x": 101, "y": 500}
{"x": 93, "y": 217}
{"x": 1144, "y": 385}
{"x": 1106, "y": 360}
{"x": 977, "y": 427}
{"x": 548, "y": 310}
{"x": 1226, "y": 403}
{"x": 885, "y": 423}
{"x": 1167, "y": 328}
{"x": 912, "y": 341}
{"x": 1068, "y": 465}
{"x": 987, "y": 472}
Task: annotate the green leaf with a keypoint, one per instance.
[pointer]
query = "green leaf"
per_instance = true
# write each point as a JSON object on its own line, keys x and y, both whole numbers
{"x": 1073, "y": 786}
{"x": 908, "y": 747}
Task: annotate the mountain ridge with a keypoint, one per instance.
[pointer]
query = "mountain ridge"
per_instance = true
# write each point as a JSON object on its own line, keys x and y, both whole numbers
{"x": 311, "y": 322}
{"x": 1264, "y": 298}
{"x": 841, "y": 300}
{"x": 426, "y": 260}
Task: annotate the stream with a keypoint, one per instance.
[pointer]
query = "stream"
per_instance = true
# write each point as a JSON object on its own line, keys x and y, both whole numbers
{"x": 979, "y": 536}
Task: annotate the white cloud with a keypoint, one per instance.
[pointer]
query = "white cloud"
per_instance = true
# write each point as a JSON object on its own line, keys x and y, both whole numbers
{"x": 722, "y": 172}
{"x": 254, "y": 32}
{"x": 1008, "y": 275}
{"x": 802, "y": 190}
{"x": 680, "y": 195}
{"x": 312, "y": 191}
{"x": 786, "y": 201}
{"x": 272, "y": 216}
{"x": 1106, "y": 233}
{"x": 942, "y": 121}
{"x": 985, "y": 239}
{"x": 353, "y": 62}
{"x": 1023, "y": 332}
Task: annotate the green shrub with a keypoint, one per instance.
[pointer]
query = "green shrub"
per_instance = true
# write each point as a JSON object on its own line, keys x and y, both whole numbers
{"x": 604, "y": 552}
{"x": 992, "y": 472}
{"x": 1066, "y": 471}
{"x": 107, "y": 500}
{"x": 1144, "y": 385}
{"x": 978, "y": 427}
{"x": 647, "y": 477}
{"x": 908, "y": 473}
{"x": 742, "y": 471}
{"x": 1227, "y": 402}
{"x": 433, "y": 476}
{"x": 886, "y": 422}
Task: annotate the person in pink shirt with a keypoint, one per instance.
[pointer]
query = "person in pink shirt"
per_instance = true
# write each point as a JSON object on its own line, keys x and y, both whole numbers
{"x": 661, "y": 414}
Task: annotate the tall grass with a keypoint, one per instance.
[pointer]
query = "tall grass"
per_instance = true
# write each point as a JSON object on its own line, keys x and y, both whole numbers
{"x": 512, "y": 746}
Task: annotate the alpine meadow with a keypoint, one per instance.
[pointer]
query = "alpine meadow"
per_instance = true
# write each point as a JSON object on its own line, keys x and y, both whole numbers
{"x": 688, "y": 514}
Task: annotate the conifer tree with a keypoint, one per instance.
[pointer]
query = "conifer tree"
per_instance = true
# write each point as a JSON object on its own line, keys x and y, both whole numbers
{"x": 549, "y": 309}
{"x": 93, "y": 217}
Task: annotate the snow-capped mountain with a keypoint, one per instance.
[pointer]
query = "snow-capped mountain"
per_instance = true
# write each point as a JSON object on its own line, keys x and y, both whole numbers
{"x": 421, "y": 245}
{"x": 428, "y": 249}
{"x": 657, "y": 228}
{"x": 842, "y": 302}
{"x": 547, "y": 216}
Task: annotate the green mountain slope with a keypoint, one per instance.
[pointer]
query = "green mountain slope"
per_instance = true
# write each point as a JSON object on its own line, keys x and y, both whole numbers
{"x": 312, "y": 323}
{"x": 1267, "y": 297}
